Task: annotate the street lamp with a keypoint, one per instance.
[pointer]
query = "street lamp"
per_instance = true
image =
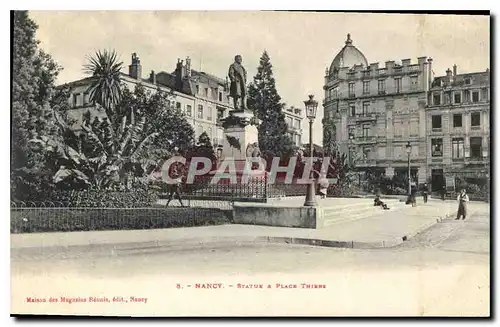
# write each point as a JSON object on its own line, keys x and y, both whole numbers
{"x": 351, "y": 137}
{"x": 311, "y": 107}
{"x": 408, "y": 150}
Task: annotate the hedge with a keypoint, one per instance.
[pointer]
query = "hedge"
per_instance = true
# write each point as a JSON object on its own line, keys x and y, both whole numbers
{"x": 33, "y": 220}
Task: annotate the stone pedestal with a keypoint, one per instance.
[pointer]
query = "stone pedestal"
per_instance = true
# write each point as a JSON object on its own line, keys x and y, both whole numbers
{"x": 239, "y": 141}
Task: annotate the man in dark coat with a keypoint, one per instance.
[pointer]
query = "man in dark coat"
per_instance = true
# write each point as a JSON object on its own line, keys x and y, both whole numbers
{"x": 238, "y": 76}
{"x": 425, "y": 191}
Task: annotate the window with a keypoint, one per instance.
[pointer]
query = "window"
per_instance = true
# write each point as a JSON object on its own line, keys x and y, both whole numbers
{"x": 457, "y": 97}
{"x": 352, "y": 109}
{"x": 209, "y": 114}
{"x": 197, "y": 89}
{"x": 351, "y": 132}
{"x": 220, "y": 96}
{"x": 220, "y": 113}
{"x": 484, "y": 94}
{"x": 366, "y": 130}
{"x": 200, "y": 111}
{"x": 189, "y": 110}
{"x": 381, "y": 86}
{"x": 366, "y": 87}
{"x": 178, "y": 105}
{"x": 351, "y": 90}
{"x": 436, "y": 122}
{"x": 436, "y": 99}
{"x": 476, "y": 147}
{"x": 366, "y": 108}
{"x": 467, "y": 80}
{"x": 413, "y": 82}
{"x": 206, "y": 92}
{"x": 289, "y": 121}
{"x": 457, "y": 147}
{"x": 86, "y": 99}
{"x": 466, "y": 96}
{"x": 437, "y": 147}
{"x": 475, "y": 96}
{"x": 398, "y": 85}
{"x": 457, "y": 120}
{"x": 297, "y": 123}
{"x": 475, "y": 119}
{"x": 75, "y": 100}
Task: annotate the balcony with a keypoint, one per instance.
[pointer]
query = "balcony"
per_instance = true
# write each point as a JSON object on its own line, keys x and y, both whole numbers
{"x": 365, "y": 163}
{"x": 351, "y": 75}
{"x": 398, "y": 70}
{"x": 366, "y": 140}
{"x": 414, "y": 68}
{"x": 382, "y": 71}
{"x": 363, "y": 117}
{"x": 351, "y": 95}
{"x": 382, "y": 92}
{"x": 367, "y": 74}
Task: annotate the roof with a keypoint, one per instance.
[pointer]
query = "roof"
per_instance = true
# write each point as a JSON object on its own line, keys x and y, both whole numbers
{"x": 477, "y": 78}
{"x": 348, "y": 56}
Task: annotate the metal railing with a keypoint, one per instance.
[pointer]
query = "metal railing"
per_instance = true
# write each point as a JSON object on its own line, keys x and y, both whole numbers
{"x": 31, "y": 217}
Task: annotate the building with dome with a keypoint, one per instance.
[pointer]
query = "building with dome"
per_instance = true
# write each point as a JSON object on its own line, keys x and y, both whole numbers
{"x": 377, "y": 109}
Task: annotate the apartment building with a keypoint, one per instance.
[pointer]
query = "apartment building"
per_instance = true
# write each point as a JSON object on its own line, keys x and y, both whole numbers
{"x": 377, "y": 109}
{"x": 294, "y": 117}
{"x": 458, "y": 117}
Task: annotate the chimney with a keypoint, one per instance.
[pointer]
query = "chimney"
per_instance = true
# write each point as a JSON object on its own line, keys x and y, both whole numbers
{"x": 135, "y": 69}
{"x": 179, "y": 74}
{"x": 188, "y": 67}
{"x": 406, "y": 62}
{"x": 152, "y": 77}
{"x": 431, "y": 74}
{"x": 454, "y": 70}
{"x": 449, "y": 76}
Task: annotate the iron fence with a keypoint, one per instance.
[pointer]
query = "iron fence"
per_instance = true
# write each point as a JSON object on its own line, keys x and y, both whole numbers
{"x": 30, "y": 217}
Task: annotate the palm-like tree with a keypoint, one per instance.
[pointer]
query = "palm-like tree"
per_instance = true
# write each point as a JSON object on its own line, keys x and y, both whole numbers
{"x": 105, "y": 88}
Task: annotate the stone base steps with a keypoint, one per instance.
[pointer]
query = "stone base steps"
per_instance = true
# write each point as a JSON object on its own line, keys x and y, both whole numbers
{"x": 353, "y": 212}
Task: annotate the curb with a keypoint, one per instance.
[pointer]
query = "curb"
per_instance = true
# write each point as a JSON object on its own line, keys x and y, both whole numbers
{"x": 256, "y": 239}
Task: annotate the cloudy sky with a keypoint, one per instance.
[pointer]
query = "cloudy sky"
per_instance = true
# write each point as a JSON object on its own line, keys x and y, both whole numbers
{"x": 301, "y": 44}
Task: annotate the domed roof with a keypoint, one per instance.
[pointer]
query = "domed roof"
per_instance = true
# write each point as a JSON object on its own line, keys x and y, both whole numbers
{"x": 348, "y": 57}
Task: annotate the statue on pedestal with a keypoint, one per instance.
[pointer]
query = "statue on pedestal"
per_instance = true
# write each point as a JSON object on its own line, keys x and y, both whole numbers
{"x": 238, "y": 91}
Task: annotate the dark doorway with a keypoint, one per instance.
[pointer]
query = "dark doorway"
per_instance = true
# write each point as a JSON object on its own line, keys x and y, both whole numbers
{"x": 437, "y": 179}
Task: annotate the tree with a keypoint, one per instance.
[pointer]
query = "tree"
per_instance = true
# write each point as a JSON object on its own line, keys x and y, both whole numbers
{"x": 203, "y": 149}
{"x": 105, "y": 88}
{"x": 264, "y": 100}
{"x": 35, "y": 99}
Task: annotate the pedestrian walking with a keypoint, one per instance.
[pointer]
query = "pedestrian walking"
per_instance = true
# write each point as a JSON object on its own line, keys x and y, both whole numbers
{"x": 175, "y": 189}
{"x": 443, "y": 192}
{"x": 177, "y": 173}
{"x": 462, "y": 200}
{"x": 413, "y": 195}
{"x": 425, "y": 190}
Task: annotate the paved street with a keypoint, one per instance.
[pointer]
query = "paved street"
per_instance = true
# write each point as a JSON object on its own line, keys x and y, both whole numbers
{"x": 443, "y": 271}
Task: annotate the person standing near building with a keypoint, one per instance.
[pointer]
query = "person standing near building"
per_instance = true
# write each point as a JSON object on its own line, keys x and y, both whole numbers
{"x": 443, "y": 192}
{"x": 425, "y": 191}
{"x": 413, "y": 196}
{"x": 462, "y": 200}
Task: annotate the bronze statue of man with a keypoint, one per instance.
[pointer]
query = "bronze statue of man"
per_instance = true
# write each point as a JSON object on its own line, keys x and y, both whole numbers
{"x": 238, "y": 76}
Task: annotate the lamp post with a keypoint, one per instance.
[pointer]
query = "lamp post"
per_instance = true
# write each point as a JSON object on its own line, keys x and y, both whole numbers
{"x": 408, "y": 150}
{"x": 311, "y": 106}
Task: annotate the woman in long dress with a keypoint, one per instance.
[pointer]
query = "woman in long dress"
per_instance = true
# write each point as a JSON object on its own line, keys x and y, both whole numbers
{"x": 462, "y": 200}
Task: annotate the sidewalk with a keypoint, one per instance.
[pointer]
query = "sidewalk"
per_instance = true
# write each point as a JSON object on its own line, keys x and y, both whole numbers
{"x": 373, "y": 232}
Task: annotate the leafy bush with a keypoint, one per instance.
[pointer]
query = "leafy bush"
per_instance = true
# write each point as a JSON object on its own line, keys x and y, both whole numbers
{"x": 139, "y": 198}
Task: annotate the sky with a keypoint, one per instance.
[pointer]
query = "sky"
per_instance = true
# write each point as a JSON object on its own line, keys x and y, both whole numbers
{"x": 300, "y": 44}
